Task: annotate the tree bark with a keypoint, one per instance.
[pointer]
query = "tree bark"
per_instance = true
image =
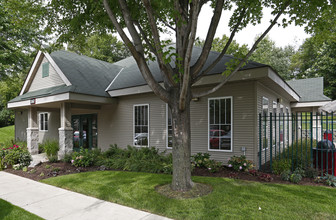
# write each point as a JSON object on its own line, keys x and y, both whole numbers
{"x": 181, "y": 145}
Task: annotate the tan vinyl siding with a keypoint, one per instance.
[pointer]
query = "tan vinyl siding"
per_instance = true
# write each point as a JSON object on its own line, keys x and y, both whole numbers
{"x": 40, "y": 82}
{"x": 263, "y": 91}
{"x": 115, "y": 122}
{"x": 53, "y": 125}
{"x": 243, "y": 121}
{"x": 21, "y": 124}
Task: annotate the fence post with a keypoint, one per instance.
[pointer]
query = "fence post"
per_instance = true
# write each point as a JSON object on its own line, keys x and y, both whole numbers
{"x": 321, "y": 140}
{"x": 332, "y": 140}
{"x": 260, "y": 141}
{"x": 311, "y": 138}
{"x": 271, "y": 141}
{"x": 327, "y": 139}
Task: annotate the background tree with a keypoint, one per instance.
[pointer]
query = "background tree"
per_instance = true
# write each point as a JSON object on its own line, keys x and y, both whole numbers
{"x": 316, "y": 59}
{"x": 145, "y": 20}
{"x": 102, "y": 47}
{"x": 277, "y": 57}
{"x": 20, "y": 35}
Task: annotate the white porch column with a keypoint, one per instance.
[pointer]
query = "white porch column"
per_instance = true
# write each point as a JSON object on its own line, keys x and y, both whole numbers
{"x": 65, "y": 131}
{"x": 32, "y": 131}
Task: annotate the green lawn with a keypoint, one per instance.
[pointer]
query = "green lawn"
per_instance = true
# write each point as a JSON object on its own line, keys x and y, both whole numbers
{"x": 11, "y": 212}
{"x": 230, "y": 199}
{"x": 6, "y": 134}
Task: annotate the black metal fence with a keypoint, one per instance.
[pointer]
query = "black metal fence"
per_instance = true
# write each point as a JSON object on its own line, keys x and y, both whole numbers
{"x": 303, "y": 139}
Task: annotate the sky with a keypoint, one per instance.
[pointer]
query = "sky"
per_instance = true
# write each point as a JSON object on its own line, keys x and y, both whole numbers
{"x": 293, "y": 35}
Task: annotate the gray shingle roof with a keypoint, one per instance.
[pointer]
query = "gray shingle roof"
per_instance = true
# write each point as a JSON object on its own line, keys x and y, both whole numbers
{"x": 87, "y": 75}
{"x": 131, "y": 76}
{"x": 310, "y": 90}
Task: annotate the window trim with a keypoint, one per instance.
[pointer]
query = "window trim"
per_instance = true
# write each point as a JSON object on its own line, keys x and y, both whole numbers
{"x": 40, "y": 128}
{"x": 167, "y": 138}
{"x": 133, "y": 136}
{"x": 231, "y": 145}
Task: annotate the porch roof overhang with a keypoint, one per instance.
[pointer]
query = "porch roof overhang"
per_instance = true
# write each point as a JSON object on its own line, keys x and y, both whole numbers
{"x": 54, "y": 95}
{"x": 309, "y": 104}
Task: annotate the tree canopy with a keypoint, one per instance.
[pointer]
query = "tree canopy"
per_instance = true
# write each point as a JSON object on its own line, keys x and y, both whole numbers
{"x": 104, "y": 47}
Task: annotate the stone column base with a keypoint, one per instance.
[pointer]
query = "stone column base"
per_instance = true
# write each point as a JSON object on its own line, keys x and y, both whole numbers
{"x": 32, "y": 140}
{"x": 65, "y": 141}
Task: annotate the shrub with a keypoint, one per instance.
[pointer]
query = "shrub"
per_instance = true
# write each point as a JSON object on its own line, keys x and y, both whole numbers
{"x": 285, "y": 175}
{"x": 240, "y": 163}
{"x": 200, "y": 160}
{"x": 15, "y": 155}
{"x": 295, "y": 178}
{"x": 300, "y": 171}
{"x": 138, "y": 159}
{"x": 330, "y": 180}
{"x": 83, "y": 158}
{"x": 281, "y": 165}
{"x": 51, "y": 147}
{"x": 67, "y": 158}
{"x": 311, "y": 172}
{"x": 299, "y": 153}
{"x": 213, "y": 166}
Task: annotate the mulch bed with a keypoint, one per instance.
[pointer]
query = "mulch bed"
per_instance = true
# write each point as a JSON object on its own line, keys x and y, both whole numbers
{"x": 47, "y": 170}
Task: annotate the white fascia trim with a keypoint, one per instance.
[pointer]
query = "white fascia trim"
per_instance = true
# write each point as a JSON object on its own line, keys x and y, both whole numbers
{"x": 278, "y": 80}
{"x": 31, "y": 72}
{"x": 58, "y": 70}
{"x": 309, "y": 104}
{"x": 62, "y": 97}
{"x": 114, "y": 79}
{"x": 131, "y": 91}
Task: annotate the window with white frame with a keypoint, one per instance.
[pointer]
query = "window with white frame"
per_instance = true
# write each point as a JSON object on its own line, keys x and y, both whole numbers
{"x": 44, "y": 120}
{"x": 274, "y": 121}
{"x": 281, "y": 123}
{"x": 220, "y": 123}
{"x": 141, "y": 125}
{"x": 169, "y": 127}
{"x": 265, "y": 122}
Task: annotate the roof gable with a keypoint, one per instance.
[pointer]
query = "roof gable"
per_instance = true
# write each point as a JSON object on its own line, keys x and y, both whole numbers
{"x": 36, "y": 81}
{"x": 87, "y": 75}
{"x": 310, "y": 90}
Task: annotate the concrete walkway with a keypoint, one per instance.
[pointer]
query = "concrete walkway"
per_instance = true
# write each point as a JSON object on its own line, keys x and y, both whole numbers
{"x": 51, "y": 202}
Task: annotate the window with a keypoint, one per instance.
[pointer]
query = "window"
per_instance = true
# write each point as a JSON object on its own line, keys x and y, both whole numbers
{"x": 141, "y": 125}
{"x": 275, "y": 119}
{"x": 169, "y": 128}
{"x": 265, "y": 122}
{"x": 45, "y": 69}
{"x": 220, "y": 124}
{"x": 43, "y": 121}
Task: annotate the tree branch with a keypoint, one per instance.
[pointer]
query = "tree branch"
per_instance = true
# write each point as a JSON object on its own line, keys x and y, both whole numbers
{"x": 218, "y": 86}
{"x": 139, "y": 58}
{"x": 165, "y": 67}
{"x": 197, "y": 67}
{"x": 188, "y": 54}
{"x": 130, "y": 26}
{"x": 226, "y": 47}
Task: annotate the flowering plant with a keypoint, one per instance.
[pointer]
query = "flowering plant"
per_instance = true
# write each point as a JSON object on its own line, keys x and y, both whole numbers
{"x": 83, "y": 158}
{"x": 14, "y": 155}
{"x": 240, "y": 163}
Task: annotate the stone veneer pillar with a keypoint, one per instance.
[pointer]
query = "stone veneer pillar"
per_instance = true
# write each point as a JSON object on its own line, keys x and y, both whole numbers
{"x": 32, "y": 140}
{"x": 65, "y": 131}
{"x": 32, "y": 131}
{"x": 65, "y": 141}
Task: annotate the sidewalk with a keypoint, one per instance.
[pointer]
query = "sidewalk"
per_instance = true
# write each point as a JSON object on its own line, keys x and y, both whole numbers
{"x": 51, "y": 202}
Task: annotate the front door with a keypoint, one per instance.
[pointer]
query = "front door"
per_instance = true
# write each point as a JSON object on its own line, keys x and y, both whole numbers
{"x": 84, "y": 131}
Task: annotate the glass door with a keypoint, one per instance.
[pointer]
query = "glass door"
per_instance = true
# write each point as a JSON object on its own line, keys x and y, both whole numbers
{"x": 84, "y": 131}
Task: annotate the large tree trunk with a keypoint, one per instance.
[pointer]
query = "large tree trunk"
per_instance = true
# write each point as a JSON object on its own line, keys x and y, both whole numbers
{"x": 181, "y": 147}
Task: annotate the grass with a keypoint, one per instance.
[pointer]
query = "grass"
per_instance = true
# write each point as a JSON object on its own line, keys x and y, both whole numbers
{"x": 11, "y": 212}
{"x": 230, "y": 199}
{"x": 6, "y": 134}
